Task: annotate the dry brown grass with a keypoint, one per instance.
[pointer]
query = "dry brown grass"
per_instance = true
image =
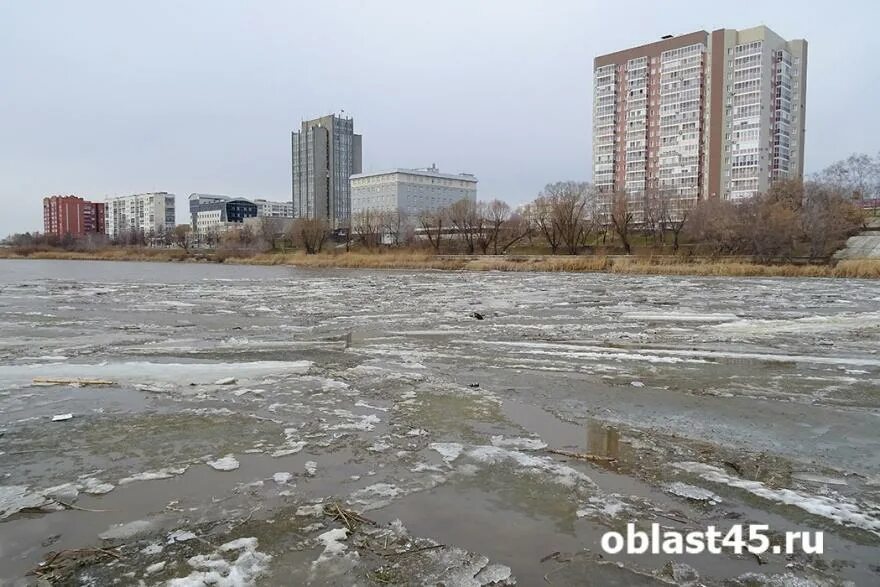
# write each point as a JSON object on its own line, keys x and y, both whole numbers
{"x": 865, "y": 268}
{"x": 856, "y": 268}
{"x": 354, "y": 260}
{"x": 109, "y": 254}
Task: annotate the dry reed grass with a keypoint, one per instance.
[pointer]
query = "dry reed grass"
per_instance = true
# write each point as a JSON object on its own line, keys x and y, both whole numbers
{"x": 854, "y": 268}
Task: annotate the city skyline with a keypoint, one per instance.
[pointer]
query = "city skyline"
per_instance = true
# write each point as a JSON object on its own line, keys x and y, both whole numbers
{"x": 505, "y": 94}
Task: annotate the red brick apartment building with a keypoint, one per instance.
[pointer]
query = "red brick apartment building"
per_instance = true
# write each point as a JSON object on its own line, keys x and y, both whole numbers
{"x": 72, "y": 215}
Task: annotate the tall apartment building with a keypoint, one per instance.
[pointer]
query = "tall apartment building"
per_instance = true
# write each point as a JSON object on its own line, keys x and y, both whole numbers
{"x": 410, "y": 191}
{"x": 325, "y": 154}
{"x": 70, "y": 215}
{"x": 700, "y": 115}
{"x": 151, "y": 214}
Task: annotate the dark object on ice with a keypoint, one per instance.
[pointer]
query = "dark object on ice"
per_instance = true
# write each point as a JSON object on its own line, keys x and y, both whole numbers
{"x": 735, "y": 467}
{"x": 473, "y": 385}
{"x": 477, "y": 315}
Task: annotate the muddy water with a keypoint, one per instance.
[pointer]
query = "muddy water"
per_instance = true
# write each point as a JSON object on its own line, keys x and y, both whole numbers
{"x": 382, "y": 392}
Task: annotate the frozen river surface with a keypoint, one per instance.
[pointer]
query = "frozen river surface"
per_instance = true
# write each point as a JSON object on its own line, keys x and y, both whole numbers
{"x": 247, "y": 414}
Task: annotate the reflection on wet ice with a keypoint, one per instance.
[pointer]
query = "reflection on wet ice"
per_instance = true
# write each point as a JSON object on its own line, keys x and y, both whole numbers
{"x": 603, "y": 440}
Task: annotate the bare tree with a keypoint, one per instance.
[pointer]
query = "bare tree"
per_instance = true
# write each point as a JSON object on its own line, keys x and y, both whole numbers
{"x": 673, "y": 214}
{"x": 828, "y": 217}
{"x": 543, "y": 218}
{"x": 857, "y": 177}
{"x": 366, "y": 226}
{"x": 568, "y": 201}
{"x": 767, "y": 227}
{"x": 394, "y": 223}
{"x": 622, "y": 219}
{"x": 182, "y": 236}
{"x": 309, "y": 233}
{"x": 266, "y": 230}
{"x": 433, "y": 223}
{"x": 504, "y": 228}
{"x": 653, "y": 221}
{"x": 469, "y": 224}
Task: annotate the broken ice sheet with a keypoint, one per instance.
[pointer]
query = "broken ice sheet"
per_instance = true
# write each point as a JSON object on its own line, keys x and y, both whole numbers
{"x": 218, "y": 568}
{"x": 282, "y": 477}
{"x": 520, "y": 443}
{"x": 227, "y": 463}
{"x": 334, "y": 560}
{"x": 839, "y": 510}
{"x": 609, "y": 506}
{"x": 692, "y": 492}
{"x": 165, "y": 473}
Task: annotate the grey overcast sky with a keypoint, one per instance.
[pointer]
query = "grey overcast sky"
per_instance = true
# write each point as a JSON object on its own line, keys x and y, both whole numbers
{"x": 103, "y": 98}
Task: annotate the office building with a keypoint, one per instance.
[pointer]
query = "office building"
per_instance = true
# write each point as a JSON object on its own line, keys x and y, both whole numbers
{"x": 150, "y": 214}
{"x": 220, "y": 216}
{"x": 702, "y": 115}
{"x": 410, "y": 191}
{"x": 196, "y": 201}
{"x": 325, "y": 154}
{"x": 70, "y": 215}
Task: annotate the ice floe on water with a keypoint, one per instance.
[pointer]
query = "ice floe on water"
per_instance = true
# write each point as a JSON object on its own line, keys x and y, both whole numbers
{"x": 461, "y": 568}
{"x": 603, "y": 506}
{"x": 840, "y": 321}
{"x": 14, "y": 498}
{"x": 520, "y": 443}
{"x": 140, "y": 371}
{"x": 219, "y": 568}
{"x": 292, "y": 447}
{"x": 180, "y": 536}
{"x": 544, "y": 467}
{"x": 835, "y": 508}
{"x": 678, "y": 317}
{"x": 227, "y": 463}
{"x": 17, "y": 498}
{"x": 692, "y": 492}
{"x": 282, "y": 478}
{"x": 164, "y": 473}
{"x": 354, "y": 421}
{"x": 818, "y": 479}
{"x": 449, "y": 451}
{"x": 541, "y": 466}
{"x": 377, "y": 495}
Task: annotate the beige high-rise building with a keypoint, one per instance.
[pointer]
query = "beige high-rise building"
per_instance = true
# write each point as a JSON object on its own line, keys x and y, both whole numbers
{"x": 701, "y": 115}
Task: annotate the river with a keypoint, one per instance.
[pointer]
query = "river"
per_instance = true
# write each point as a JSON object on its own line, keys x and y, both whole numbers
{"x": 245, "y": 410}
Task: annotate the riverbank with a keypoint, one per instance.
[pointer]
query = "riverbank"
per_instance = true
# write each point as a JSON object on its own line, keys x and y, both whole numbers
{"x": 638, "y": 265}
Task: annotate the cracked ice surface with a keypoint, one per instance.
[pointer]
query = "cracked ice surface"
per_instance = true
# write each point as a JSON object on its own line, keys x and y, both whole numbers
{"x": 379, "y": 392}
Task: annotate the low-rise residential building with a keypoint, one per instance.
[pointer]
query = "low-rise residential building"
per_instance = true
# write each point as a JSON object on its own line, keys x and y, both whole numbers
{"x": 220, "y": 216}
{"x": 151, "y": 214}
{"x": 266, "y": 208}
{"x": 73, "y": 216}
{"x": 410, "y": 191}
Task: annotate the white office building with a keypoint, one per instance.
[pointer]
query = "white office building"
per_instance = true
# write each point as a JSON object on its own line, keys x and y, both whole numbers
{"x": 410, "y": 191}
{"x": 267, "y": 209}
{"x": 151, "y": 214}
